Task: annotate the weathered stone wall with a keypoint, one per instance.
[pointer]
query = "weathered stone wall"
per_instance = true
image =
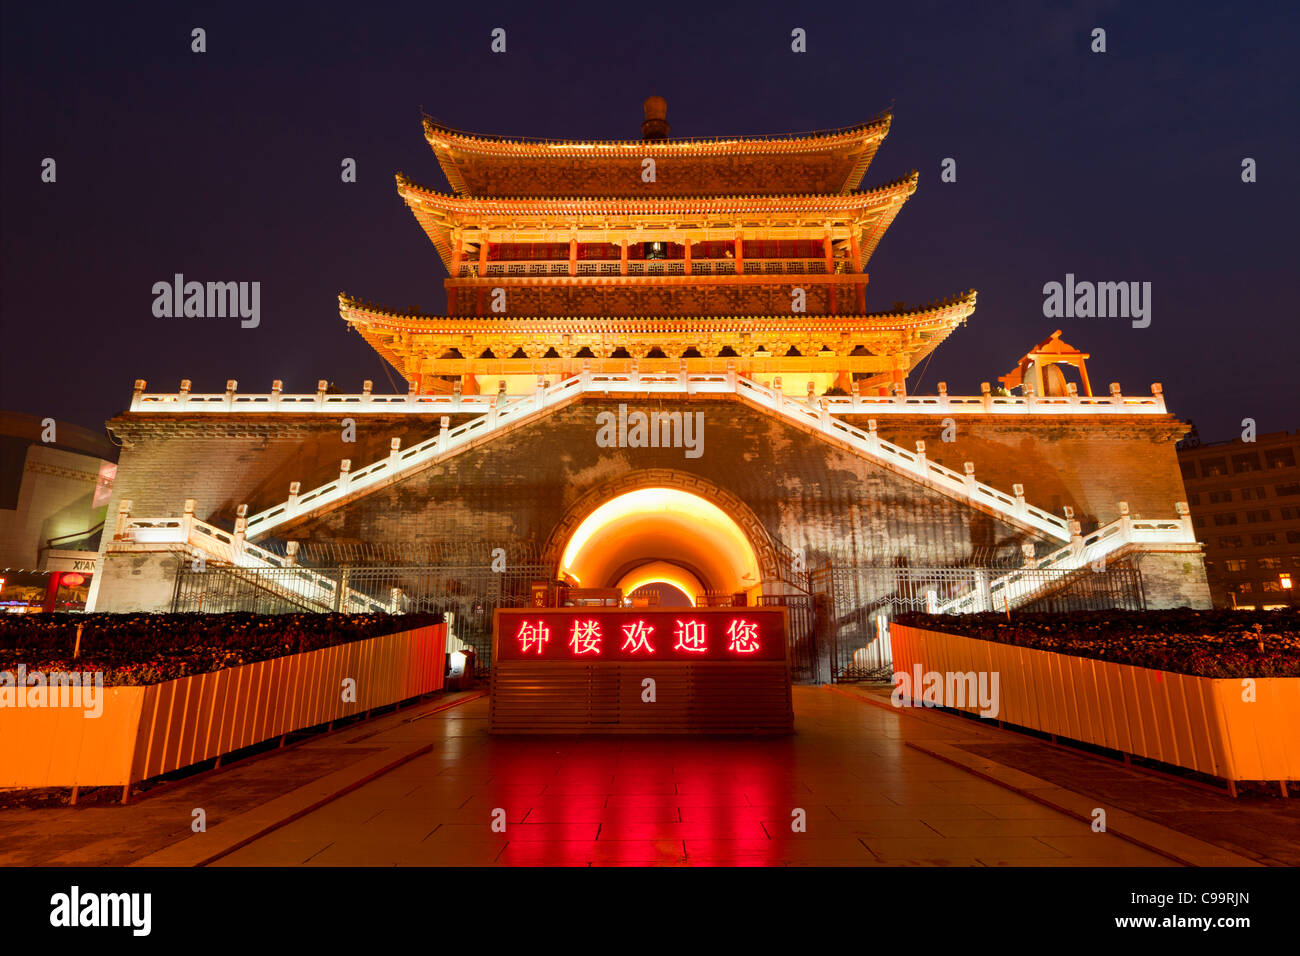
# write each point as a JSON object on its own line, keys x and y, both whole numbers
{"x": 1090, "y": 464}
{"x": 519, "y": 486}
{"x": 806, "y": 492}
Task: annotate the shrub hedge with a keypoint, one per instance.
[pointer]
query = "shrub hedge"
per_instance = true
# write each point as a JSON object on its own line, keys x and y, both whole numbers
{"x": 151, "y": 648}
{"x": 1203, "y": 643}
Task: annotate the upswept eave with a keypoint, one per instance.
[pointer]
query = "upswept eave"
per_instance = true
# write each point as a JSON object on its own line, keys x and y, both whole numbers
{"x": 439, "y": 213}
{"x": 358, "y": 313}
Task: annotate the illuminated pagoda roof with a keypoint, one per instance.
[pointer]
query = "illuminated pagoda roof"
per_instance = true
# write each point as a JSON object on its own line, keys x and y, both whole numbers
{"x": 867, "y": 345}
{"x": 827, "y": 161}
{"x": 605, "y": 219}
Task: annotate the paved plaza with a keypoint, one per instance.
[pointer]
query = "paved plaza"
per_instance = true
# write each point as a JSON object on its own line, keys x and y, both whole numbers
{"x": 859, "y": 784}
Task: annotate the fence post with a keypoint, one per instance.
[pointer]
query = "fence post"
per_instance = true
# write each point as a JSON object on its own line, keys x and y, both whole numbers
{"x": 123, "y": 517}
{"x": 241, "y": 530}
{"x": 341, "y": 590}
{"x": 187, "y": 520}
{"x": 443, "y": 424}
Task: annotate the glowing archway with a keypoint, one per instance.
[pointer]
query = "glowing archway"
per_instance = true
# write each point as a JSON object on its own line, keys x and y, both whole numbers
{"x": 674, "y": 531}
{"x": 661, "y": 572}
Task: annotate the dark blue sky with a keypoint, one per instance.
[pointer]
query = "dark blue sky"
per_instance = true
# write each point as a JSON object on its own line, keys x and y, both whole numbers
{"x": 225, "y": 165}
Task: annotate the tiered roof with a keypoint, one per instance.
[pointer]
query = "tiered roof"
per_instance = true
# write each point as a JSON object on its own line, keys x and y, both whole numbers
{"x": 670, "y": 218}
{"x": 828, "y": 161}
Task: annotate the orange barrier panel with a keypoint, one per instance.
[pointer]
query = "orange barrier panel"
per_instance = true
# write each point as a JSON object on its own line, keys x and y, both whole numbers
{"x": 60, "y": 747}
{"x": 1201, "y": 723}
{"x": 147, "y": 731}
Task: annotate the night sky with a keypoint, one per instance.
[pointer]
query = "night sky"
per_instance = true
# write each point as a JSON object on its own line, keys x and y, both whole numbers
{"x": 1123, "y": 166}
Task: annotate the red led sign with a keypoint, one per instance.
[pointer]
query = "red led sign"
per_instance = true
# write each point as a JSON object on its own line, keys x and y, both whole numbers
{"x": 636, "y": 634}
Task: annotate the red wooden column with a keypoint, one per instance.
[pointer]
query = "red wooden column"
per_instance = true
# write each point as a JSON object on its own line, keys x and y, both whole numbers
{"x": 573, "y": 257}
{"x": 740, "y": 254}
{"x": 829, "y": 251}
{"x": 687, "y": 244}
{"x": 482, "y": 269}
{"x": 457, "y": 254}
{"x": 858, "y": 286}
{"x": 622, "y": 265}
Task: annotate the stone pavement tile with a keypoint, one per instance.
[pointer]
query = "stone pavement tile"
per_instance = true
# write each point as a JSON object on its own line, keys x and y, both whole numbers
{"x": 921, "y": 797}
{"x": 805, "y": 850}
{"x": 422, "y": 854}
{"x": 1023, "y": 809}
{"x": 516, "y": 833}
{"x": 962, "y": 850}
{"x": 563, "y": 789}
{"x": 515, "y": 813}
{"x": 765, "y": 811}
{"x": 281, "y": 853}
{"x": 892, "y": 810}
{"x": 1073, "y": 861}
{"x": 739, "y": 826}
{"x": 677, "y": 800}
{"x": 597, "y": 814}
{"x": 1055, "y": 825}
{"x": 854, "y": 829}
{"x": 1105, "y": 845}
{"x": 606, "y": 852}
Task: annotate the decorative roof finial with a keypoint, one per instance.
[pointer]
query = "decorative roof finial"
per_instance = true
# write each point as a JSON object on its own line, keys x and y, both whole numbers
{"x": 656, "y": 119}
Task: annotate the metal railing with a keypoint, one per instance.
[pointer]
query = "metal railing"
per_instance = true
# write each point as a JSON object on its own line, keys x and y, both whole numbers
{"x": 859, "y": 602}
{"x": 466, "y": 594}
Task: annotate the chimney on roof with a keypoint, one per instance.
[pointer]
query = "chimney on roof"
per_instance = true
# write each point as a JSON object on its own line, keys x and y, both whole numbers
{"x": 655, "y": 125}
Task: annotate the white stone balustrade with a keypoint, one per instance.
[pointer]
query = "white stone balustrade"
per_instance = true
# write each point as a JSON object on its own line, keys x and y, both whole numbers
{"x": 720, "y": 383}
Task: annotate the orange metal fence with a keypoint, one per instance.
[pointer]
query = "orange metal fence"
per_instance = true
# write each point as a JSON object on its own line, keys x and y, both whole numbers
{"x": 1228, "y": 728}
{"x": 147, "y": 731}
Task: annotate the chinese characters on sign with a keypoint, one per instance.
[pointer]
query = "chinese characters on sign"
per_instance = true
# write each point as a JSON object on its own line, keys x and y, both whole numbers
{"x": 627, "y": 634}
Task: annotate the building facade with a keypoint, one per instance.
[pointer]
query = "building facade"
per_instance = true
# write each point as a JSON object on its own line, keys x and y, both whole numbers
{"x": 55, "y": 482}
{"x": 657, "y": 367}
{"x": 1245, "y": 503}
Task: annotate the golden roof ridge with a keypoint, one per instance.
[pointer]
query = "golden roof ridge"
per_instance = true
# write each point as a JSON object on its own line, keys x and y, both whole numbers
{"x": 881, "y": 120}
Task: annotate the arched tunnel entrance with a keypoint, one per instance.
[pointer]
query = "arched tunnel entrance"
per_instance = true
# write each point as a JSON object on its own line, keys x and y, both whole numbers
{"x": 661, "y": 536}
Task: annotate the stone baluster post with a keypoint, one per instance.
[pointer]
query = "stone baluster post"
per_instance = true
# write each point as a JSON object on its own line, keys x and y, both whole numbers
{"x": 123, "y": 519}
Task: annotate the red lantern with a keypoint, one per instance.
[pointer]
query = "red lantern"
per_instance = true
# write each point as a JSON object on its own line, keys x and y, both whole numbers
{"x": 73, "y": 580}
